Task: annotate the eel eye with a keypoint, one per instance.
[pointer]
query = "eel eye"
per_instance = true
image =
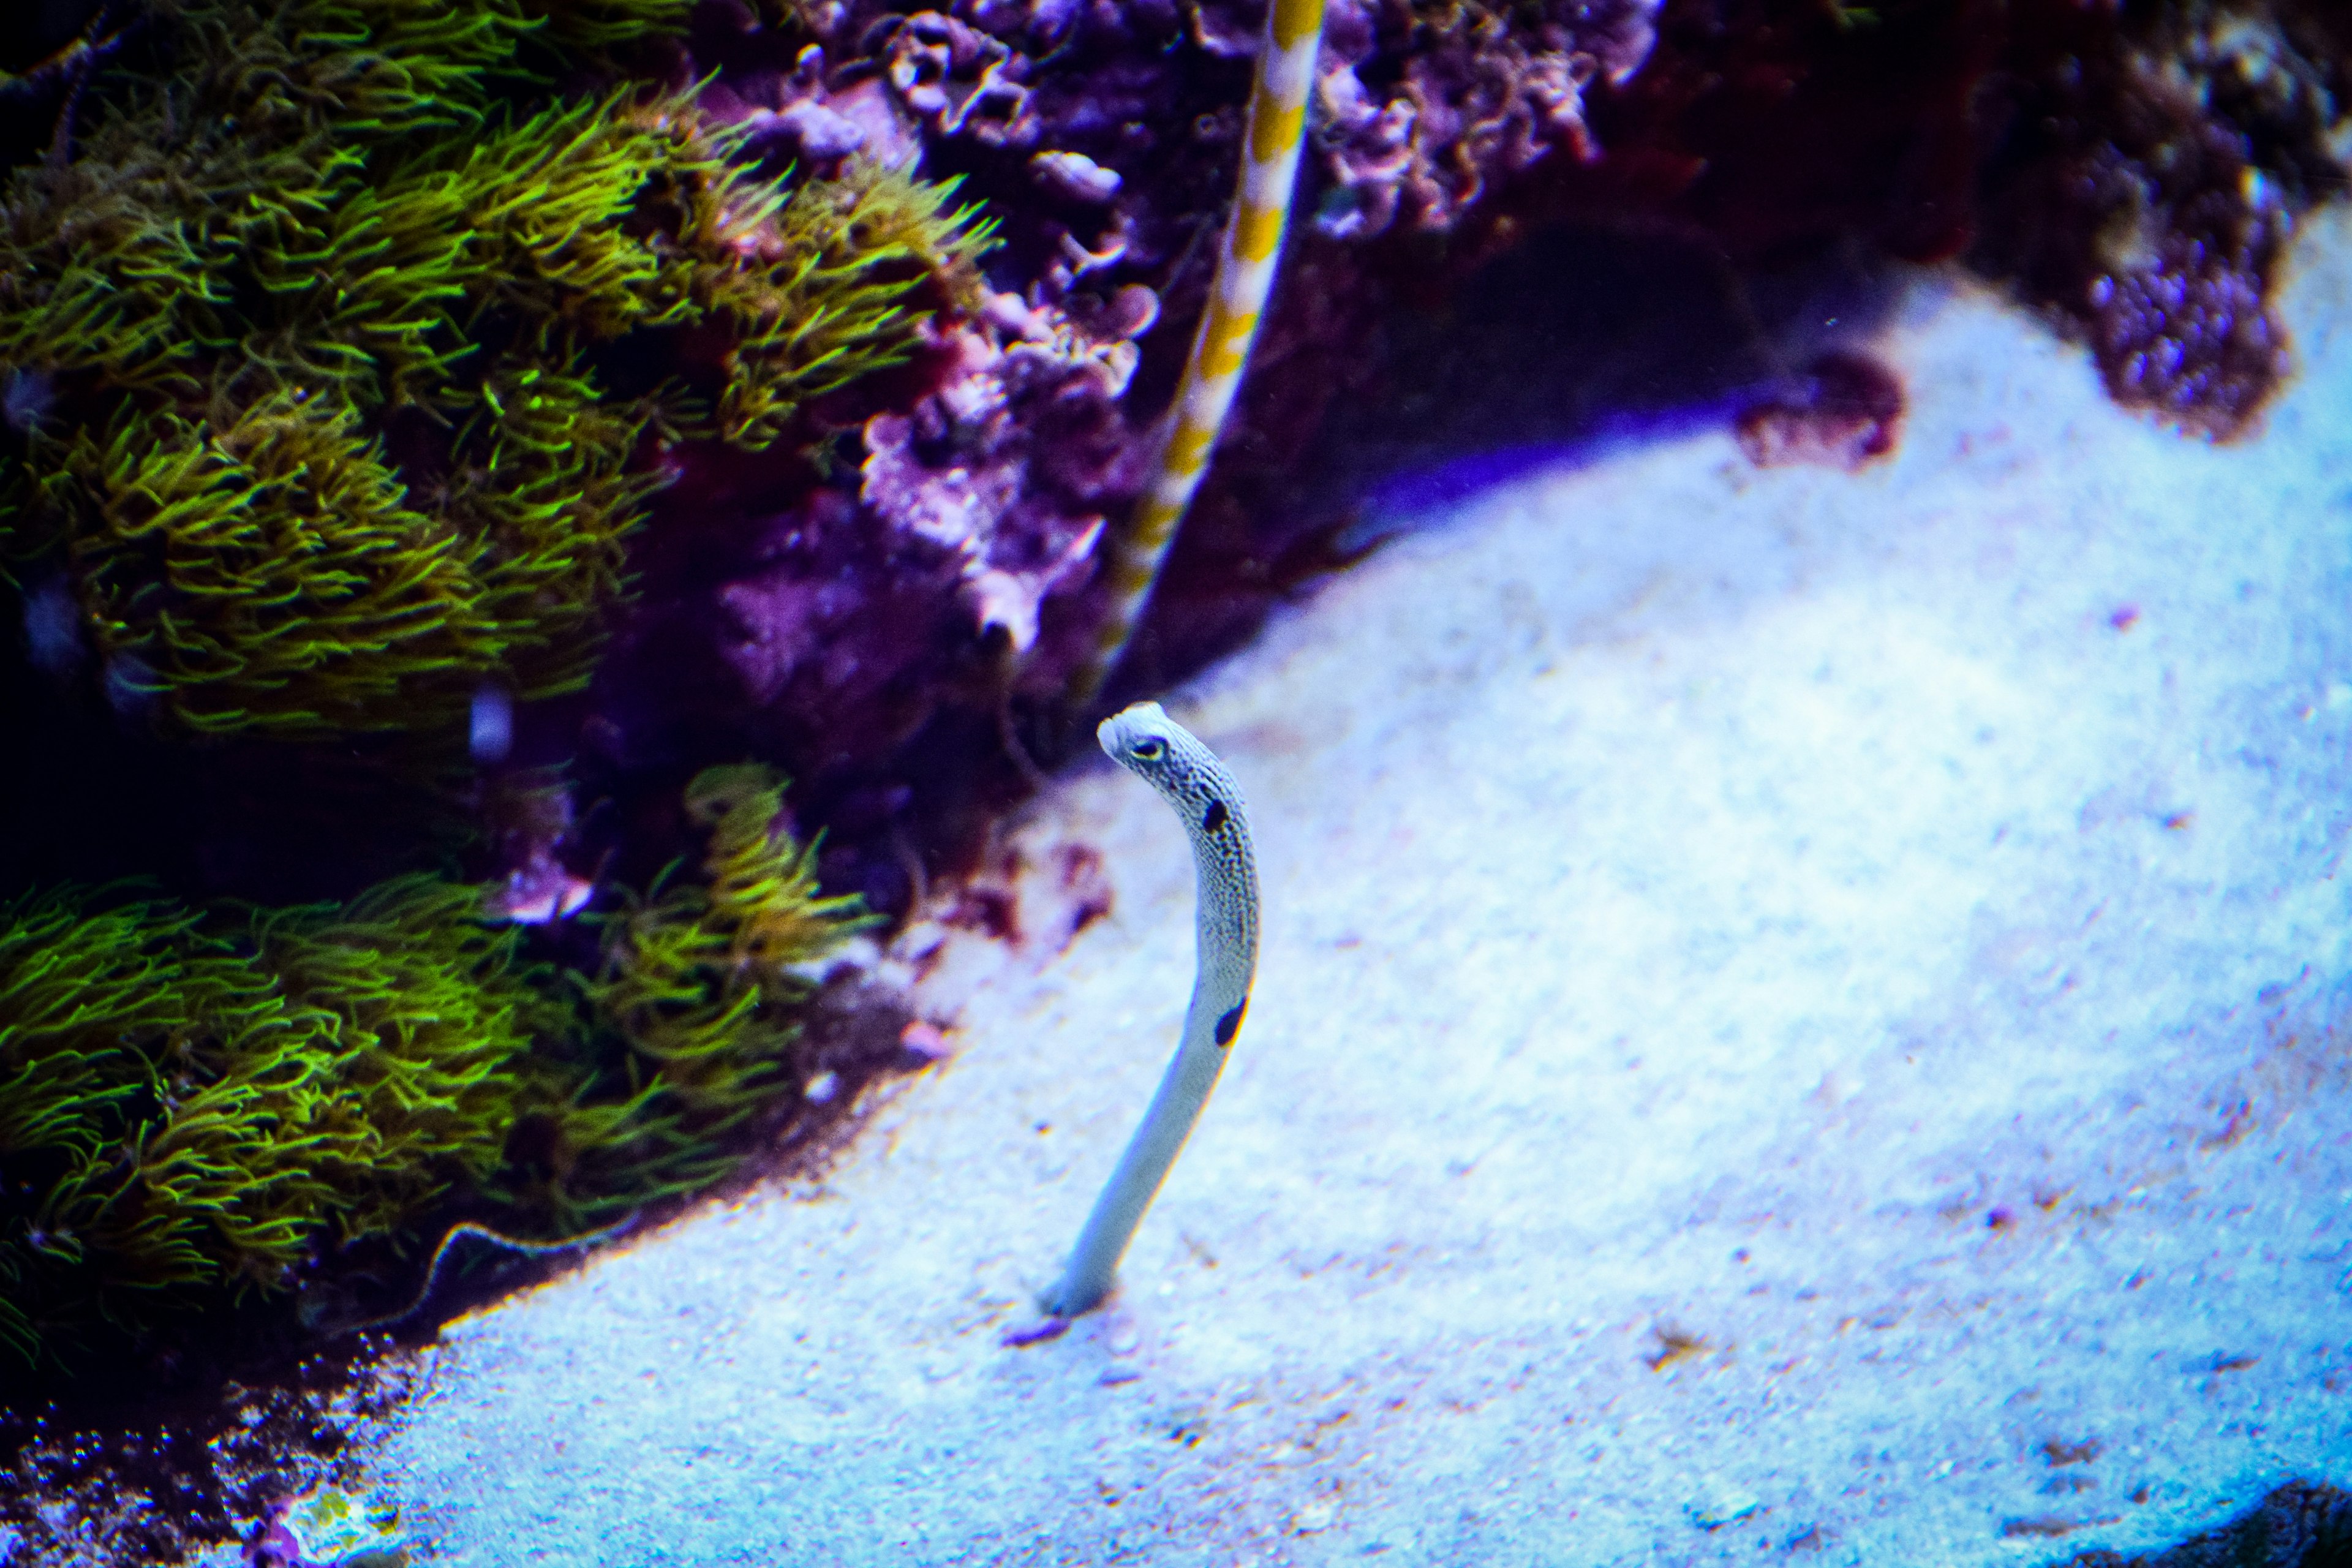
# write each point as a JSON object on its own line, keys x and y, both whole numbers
{"x": 1147, "y": 749}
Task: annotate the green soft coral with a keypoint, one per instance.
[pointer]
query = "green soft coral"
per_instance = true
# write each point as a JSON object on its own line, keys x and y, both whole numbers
{"x": 432, "y": 1020}
{"x": 822, "y": 296}
{"x": 698, "y": 973}
{"x": 695, "y": 1015}
{"x": 188, "y": 1103}
{"x": 194, "y": 1104}
{"x": 97, "y": 1011}
{"x": 271, "y": 575}
{"x": 324, "y": 318}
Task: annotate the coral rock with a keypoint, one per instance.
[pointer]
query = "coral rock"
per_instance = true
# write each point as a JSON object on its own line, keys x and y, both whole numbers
{"x": 1846, "y": 410}
{"x": 2145, "y": 174}
{"x": 1009, "y": 468}
{"x": 1077, "y": 176}
{"x": 1478, "y": 98}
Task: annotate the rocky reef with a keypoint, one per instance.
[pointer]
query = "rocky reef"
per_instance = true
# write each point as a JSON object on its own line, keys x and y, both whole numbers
{"x": 2133, "y": 177}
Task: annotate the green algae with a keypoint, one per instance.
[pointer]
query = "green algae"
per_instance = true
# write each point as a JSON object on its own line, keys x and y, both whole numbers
{"x": 687, "y": 1036}
{"x": 199, "y": 1105}
{"x": 323, "y": 314}
{"x": 191, "y": 1095}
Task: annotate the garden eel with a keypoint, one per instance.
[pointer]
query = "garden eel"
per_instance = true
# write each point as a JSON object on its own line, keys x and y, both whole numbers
{"x": 1277, "y": 125}
{"x": 1189, "y": 776}
{"x": 466, "y": 1227}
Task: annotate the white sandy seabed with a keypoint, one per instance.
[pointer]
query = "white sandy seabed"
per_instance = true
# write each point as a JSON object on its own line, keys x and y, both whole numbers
{"x": 1800, "y": 1015}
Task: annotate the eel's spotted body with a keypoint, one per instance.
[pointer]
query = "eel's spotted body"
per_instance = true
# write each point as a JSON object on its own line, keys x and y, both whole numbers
{"x": 1190, "y": 777}
{"x": 1277, "y": 125}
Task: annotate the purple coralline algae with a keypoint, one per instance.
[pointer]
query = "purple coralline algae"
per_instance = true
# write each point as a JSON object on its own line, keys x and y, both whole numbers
{"x": 2152, "y": 168}
{"x": 1011, "y": 464}
{"x": 819, "y": 622}
{"x": 1421, "y": 107}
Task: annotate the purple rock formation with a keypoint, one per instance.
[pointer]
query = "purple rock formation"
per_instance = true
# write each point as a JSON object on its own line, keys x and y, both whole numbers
{"x": 825, "y": 620}
{"x": 2145, "y": 176}
{"x": 1423, "y": 109}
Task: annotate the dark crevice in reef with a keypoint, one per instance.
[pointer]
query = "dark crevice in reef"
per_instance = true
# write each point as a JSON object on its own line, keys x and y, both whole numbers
{"x": 1447, "y": 392}
{"x": 104, "y": 801}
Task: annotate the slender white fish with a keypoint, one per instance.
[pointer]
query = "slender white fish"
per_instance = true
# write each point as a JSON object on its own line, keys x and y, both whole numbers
{"x": 1190, "y": 777}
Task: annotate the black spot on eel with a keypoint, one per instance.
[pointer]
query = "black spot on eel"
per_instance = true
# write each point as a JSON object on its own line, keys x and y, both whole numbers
{"x": 1189, "y": 776}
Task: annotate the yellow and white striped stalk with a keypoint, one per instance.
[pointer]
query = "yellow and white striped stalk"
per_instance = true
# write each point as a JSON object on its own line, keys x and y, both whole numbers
{"x": 1277, "y": 126}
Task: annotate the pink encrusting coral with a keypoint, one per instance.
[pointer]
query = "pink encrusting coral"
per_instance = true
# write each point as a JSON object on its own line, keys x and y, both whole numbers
{"x": 1014, "y": 463}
